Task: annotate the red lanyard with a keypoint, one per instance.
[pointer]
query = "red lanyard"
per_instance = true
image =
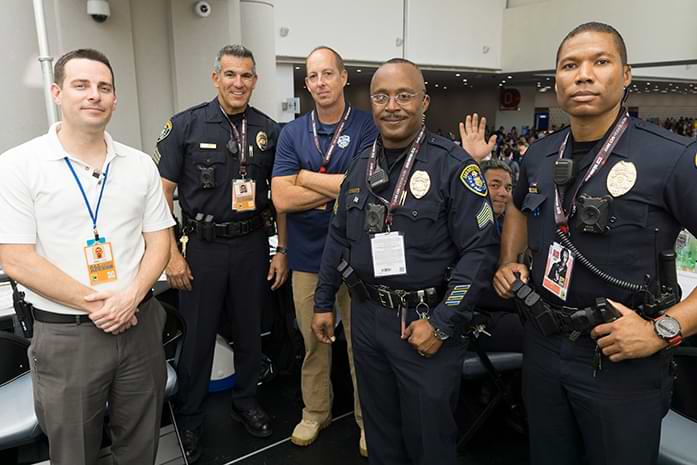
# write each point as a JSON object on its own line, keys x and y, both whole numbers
{"x": 241, "y": 140}
{"x": 561, "y": 216}
{"x": 326, "y": 157}
{"x": 399, "y": 189}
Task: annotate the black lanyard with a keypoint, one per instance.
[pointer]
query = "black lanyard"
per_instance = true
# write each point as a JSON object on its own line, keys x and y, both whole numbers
{"x": 326, "y": 157}
{"x": 399, "y": 190}
{"x": 241, "y": 140}
{"x": 561, "y": 216}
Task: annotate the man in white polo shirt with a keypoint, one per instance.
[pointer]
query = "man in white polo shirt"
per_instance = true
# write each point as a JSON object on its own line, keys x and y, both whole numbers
{"x": 85, "y": 229}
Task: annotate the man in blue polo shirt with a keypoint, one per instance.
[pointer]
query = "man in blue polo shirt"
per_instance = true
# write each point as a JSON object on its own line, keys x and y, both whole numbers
{"x": 312, "y": 155}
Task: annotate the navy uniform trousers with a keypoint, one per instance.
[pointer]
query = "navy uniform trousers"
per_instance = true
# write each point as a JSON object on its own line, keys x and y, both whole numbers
{"x": 404, "y": 395}
{"x": 617, "y": 413}
{"x": 229, "y": 277}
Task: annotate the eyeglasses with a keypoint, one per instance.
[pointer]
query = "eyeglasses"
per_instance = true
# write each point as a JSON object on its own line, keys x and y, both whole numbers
{"x": 402, "y": 98}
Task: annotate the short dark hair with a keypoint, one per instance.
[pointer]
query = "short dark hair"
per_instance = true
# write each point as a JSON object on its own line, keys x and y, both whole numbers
{"x": 86, "y": 53}
{"x": 339, "y": 61}
{"x": 494, "y": 164}
{"x": 236, "y": 50}
{"x": 594, "y": 26}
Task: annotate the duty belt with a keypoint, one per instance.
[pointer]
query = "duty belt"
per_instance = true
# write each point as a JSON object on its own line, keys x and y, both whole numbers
{"x": 552, "y": 319}
{"x": 206, "y": 230}
{"x": 394, "y": 298}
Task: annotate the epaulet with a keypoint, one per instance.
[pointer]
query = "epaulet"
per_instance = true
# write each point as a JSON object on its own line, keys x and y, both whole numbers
{"x": 261, "y": 114}
{"x": 661, "y": 132}
{"x": 189, "y": 110}
{"x": 440, "y": 141}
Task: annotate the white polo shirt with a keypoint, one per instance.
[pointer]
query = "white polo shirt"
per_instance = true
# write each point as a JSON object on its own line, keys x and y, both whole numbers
{"x": 41, "y": 203}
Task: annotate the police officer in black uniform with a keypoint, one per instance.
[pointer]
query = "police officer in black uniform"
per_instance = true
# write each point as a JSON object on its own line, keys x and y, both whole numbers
{"x": 412, "y": 234}
{"x": 220, "y": 155}
{"x": 612, "y": 192}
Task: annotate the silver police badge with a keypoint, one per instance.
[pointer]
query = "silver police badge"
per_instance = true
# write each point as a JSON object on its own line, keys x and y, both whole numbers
{"x": 343, "y": 141}
{"x": 419, "y": 184}
{"x": 621, "y": 178}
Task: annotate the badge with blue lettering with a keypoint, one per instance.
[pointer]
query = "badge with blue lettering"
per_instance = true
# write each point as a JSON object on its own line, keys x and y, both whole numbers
{"x": 473, "y": 180}
{"x": 344, "y": 141}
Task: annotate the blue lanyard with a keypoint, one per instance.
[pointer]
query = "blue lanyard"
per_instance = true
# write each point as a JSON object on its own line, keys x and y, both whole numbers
{"x": 94, "y": 215}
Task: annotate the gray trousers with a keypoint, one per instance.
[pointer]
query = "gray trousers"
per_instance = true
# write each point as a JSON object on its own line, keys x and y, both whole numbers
{"x": 78, "y": 369}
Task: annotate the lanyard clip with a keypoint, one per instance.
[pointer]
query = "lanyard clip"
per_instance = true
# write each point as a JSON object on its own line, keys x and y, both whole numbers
{"x": 96, "y": 235}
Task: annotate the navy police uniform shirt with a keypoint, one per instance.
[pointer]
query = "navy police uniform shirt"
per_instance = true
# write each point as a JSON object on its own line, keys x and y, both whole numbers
{"x": 643, "y": 221}
{"x": 307, "y": 230}
{"x": 451, "y": 225}
{"x": 197, "y": 138}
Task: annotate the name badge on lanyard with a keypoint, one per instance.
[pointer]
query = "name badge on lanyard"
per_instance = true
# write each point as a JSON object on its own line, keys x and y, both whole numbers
{"x": 389, "y": 258}
{"x": 560, "y": 263}
{"x": 100, "y": 261}
{"x": 99, "y": 256}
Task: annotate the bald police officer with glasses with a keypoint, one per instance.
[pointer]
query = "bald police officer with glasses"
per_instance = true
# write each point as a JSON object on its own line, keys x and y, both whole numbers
{"x": 413, "y": 229}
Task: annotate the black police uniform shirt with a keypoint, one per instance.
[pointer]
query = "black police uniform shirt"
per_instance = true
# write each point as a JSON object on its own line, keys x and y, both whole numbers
{"x": 642, "y": 222}
{"x": 452, "y": 225}
{"x": 197, "y": 138}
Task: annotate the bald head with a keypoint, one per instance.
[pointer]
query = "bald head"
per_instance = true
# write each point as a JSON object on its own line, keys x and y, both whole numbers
{"x": 401, "y": 65}
{"x": 399, "y": 101}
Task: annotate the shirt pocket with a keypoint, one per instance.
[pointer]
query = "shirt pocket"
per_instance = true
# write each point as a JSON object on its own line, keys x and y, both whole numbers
{"x": 210, "y": 164}
{"x": 355, "y": 215}
{"x": 532, "y": 206}
{"x": 630, "y": 237}
{"x": 417, "y": 222}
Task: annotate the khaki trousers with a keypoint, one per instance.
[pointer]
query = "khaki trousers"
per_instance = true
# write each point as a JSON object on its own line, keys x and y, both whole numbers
{"x": 315, "y": 377}
{"x": 77, "y": 369}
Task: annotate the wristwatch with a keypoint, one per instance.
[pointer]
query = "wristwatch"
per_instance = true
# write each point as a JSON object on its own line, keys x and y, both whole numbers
{"x": 668, "y": 329}
{"x": 281, "y": 249}
{"x": 440, "y": 334}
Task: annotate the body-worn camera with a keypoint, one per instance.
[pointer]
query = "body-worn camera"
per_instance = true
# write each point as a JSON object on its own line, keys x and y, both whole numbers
{"x": 207, "y": 176}
{"x": 592, "y": 213}
{"x": 375, "y": 218}
{"x": 379, "y": 180}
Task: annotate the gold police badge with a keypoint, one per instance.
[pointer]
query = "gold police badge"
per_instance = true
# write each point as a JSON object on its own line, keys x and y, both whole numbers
{"x": 621, "y": 178}
{"x": 262, "y": 140}
{"x": 419, "y": 184}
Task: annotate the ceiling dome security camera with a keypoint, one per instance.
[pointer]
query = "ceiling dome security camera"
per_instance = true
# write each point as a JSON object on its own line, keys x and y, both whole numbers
{"x": 99, "y": 10}
{"x": 202, "y": 9}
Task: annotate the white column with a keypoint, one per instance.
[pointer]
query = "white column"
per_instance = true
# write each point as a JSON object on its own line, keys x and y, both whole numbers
{"x": 259, "y": 35}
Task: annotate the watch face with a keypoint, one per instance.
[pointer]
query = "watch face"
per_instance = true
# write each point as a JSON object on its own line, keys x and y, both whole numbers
{"x": 667, "y": 327}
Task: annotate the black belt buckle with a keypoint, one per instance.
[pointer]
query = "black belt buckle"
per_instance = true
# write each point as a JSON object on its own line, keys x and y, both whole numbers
{"x": 385, "y": 297}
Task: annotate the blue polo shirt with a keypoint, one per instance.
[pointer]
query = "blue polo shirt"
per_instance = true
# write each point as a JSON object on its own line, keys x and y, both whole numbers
{"x": 307, "y": 231}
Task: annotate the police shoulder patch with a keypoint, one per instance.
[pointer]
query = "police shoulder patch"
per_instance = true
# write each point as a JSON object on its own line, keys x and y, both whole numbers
{"x": 471, "y": 177}
{"x": 165, "y": 131}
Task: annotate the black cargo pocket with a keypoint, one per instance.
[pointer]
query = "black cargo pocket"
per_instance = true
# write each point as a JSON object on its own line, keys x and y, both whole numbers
{"x": 355, "y": 215}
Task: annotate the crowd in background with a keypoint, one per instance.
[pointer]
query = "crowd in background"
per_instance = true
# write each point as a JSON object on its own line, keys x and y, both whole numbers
{"x": 683, "y": 126}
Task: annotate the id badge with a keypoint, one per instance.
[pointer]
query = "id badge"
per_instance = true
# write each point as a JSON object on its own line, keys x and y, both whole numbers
{"x": 243, "y": 195}
{"x": 560, "y": 263}
{"x": 99, "y": 259}
{"x": 388, "y": 254}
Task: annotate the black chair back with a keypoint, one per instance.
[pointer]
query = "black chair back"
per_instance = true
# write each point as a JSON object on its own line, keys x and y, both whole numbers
{"x": 173, "y": 333}
{"x": 684, "y": 398}
{"x": 14, "y": 360}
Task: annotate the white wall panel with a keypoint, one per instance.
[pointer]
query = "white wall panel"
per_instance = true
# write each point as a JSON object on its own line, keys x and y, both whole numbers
{"x": 655, "y": 31}
{"x": 360, "y": 30}
{"x": 455, "y": 33}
